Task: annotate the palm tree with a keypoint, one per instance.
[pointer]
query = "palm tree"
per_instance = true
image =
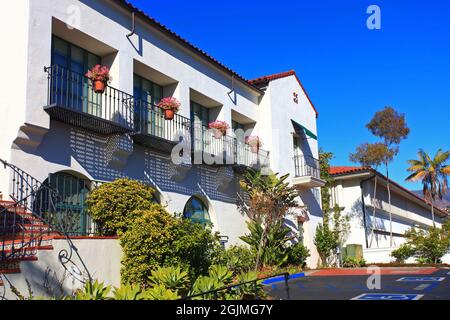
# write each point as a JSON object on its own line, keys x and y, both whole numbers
{"x": 433, "y": 174}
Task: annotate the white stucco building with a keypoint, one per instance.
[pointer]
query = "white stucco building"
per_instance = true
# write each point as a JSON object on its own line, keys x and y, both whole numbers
{"x": 354, "y": 189}
{"x": 63, "y": 134}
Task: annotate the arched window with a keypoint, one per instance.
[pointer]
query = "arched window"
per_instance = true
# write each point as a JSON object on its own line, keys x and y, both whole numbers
{"x": 197, "y": 211}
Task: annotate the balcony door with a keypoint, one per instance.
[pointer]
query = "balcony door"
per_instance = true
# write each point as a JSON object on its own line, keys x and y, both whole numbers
{"x": 69, "y": 86}
{"x": 148, "y": 118}
{"x": 200, "y": 121}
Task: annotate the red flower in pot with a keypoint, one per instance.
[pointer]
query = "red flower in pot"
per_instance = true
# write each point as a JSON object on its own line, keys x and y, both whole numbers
{"x": 220, "y": 128}
{"x": 170, "y": 105}
{"x": 100, "y": 77}
{"x": 254, "y": 142}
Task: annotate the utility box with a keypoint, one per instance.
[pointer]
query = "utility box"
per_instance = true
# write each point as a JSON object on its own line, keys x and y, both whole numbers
{"x": 353, "y": 251}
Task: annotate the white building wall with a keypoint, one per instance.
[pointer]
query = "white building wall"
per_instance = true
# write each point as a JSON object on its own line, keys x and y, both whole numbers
{"x": 52, "y": 147}
{"x": 406, "y": 213}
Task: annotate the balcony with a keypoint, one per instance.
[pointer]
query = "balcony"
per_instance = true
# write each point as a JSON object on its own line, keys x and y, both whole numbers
{"x": 226, "y": 150}
{"x": 154, "y": 131}
{"x": 307, "y": 172}
{"x": 72, "y": 100}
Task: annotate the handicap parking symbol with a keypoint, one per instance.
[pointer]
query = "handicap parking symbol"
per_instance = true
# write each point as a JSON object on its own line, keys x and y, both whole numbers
{"x": 388, "y": 296}
{"x": 422, "y": 279}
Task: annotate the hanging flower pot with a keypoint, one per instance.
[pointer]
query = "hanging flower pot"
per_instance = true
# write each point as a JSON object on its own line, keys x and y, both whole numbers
{"x": 254, "y": 142}
{"x": 169, "y": 114}
{"x": 220, "y": 128}
{"x": 218, "y": 134}
{"x": 100, "y": 77}
{"x": 170, "y": 105}
{"x": 99, "y": 86}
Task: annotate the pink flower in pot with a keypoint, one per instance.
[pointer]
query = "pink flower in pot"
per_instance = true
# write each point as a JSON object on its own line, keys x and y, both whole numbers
{"x": 254, "y": 142}
{"x": 99, "y": 76}
{"x": 220, "y": 128}
{"x": 170, "y": 105}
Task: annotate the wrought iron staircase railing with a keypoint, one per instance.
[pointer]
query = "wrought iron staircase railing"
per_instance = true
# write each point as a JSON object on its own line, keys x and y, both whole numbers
{"x": 28, "y": 218}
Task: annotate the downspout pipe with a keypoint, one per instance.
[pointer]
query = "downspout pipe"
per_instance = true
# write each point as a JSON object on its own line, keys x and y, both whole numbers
{"x": 133, "y": 28}
{"x": 364, "y": 207}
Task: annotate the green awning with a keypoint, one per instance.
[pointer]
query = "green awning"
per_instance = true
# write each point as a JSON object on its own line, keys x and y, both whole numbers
{"x": 299, "y": 129}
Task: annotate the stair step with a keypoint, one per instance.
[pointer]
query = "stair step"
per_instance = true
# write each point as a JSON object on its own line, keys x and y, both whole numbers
{"x": 10, "y": 271}
{"x": 32, "y": 248}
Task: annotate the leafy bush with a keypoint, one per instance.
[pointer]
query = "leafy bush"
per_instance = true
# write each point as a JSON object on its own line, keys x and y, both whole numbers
{"x": 429, "y": 246}
{"x": 352, "y": 262}
{"x": 326, "y": 242}
{"x": 113, "y": 206}
{"x": 237, "y": 258}
{"x": 274, "y": 251}
{"x": 251, "y": 290}
{"x": 404, "y": 252}
{"x": 157, "y": 239}
{"x": 297, "y": 254}
{"x": 160, "y": 292}
{"x": 128, "y": 292}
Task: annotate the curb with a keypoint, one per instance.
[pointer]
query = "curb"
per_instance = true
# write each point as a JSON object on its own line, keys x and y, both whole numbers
{"x": 281, "y": 279}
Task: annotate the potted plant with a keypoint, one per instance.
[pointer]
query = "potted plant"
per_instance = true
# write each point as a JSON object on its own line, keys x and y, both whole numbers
{"x": 254, "y": 142}
{"x": 170, "y": 105}
{"x": 99, "y": 76}
{"x": 220, "y": 128}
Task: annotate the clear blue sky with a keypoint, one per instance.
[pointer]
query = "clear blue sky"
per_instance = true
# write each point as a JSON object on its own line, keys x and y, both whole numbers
{"x": 349, "y": 71}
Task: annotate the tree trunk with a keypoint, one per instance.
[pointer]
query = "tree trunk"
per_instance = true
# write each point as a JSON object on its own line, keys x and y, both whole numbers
{"x": 432, "y": 214}
{"x": 374, "y": 199}
{"x": 390, "y": 206}
{"x": 261, "y": 246}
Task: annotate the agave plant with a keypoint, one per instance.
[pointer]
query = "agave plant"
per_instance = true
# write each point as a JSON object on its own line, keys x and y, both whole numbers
{"x": 172, "y": 278}
{"x": 128, "y": 292}
{"x": 93, "y": 291}
{"x": 160, "y": 292}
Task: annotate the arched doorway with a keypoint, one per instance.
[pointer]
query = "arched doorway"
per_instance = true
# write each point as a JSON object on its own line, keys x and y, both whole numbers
{"x": 196, "y": 210}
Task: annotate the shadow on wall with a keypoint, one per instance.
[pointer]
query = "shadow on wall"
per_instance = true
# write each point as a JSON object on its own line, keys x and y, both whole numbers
{"x": 312, "y": 198}
{"x": 91, "y": 151}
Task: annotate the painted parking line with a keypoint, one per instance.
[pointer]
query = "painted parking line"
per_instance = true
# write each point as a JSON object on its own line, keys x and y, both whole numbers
{"x": 388, "y": 296}
{"x": 422, "y": 286}
{"x": 422, "y": 279}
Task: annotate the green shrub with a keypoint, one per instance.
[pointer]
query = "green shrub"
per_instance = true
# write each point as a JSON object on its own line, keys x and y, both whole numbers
{"x": 274, "y": 251}
{"x": 114, "y": 205}
{"x": 128, "y": 292}
{"x": 157, "y": 239}
{"x": 352, "y": 262}
{"x": 429, "y": 246}
{"x": 326, "y": 242}
{"x": 404, "y": 252}
{"x": 297, "y": 254}
{"x": 160, "y": 292}
{"x": 238, "y": 259}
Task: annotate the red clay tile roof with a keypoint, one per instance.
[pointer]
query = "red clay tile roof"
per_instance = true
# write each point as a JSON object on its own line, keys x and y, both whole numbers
{"x": 268, "y": 78}
{"x": 184, "y": 42}
{"x": 347, "y": 170}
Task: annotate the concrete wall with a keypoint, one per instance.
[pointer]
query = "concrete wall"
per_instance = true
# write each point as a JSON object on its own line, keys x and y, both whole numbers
{"x": 101, "y": 256}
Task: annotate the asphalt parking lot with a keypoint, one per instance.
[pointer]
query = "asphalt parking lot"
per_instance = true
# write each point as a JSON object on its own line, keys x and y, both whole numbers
{"x": 396, "y": 285}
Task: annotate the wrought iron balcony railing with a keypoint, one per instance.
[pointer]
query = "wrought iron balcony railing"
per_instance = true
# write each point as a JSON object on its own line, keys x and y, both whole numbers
{"x": 227, "y": 149}
{"x": 72, "y": 99}
{"x": 154, "y": 131}
{"x": 306, "y": 166}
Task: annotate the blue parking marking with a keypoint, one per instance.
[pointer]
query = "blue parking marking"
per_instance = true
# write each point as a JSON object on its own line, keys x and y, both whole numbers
{"x": 422, "y": 279}
{"x": 388, "y": 296}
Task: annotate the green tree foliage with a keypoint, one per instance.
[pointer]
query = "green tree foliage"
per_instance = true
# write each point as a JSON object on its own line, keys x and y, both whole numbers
{"x": 433, "y": 173}
{"x": 427, "y": 246}
{"x": 332, "y": 233}
{"x": 156, "y": 239}
{"x": 372, "y": 154}
{"x": 390, "y": 126}
{"x": 268, "y": 200}
{"x": 237, "y": 259}
{"x": 113, "y": 206}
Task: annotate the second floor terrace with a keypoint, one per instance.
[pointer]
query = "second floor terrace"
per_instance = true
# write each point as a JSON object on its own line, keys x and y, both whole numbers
{"x": 73, "y": 99}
